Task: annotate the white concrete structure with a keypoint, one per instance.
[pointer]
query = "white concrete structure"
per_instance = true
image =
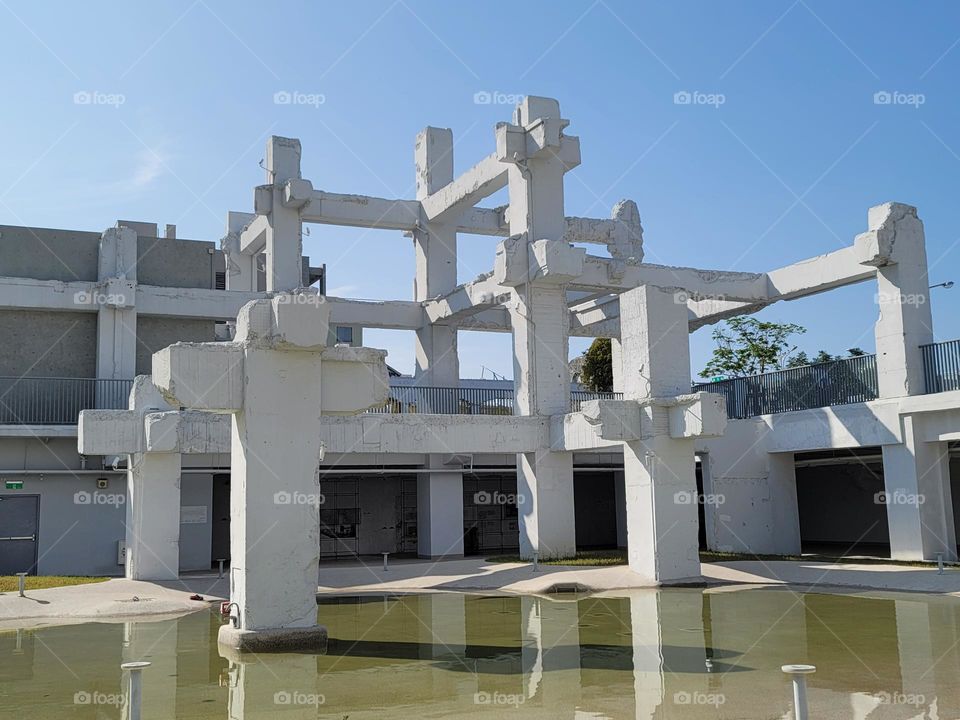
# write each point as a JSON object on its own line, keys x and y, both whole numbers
{"x": 543, "y": 287}
{"x": 274, "y": 380}
{"x": 153, "y": 435}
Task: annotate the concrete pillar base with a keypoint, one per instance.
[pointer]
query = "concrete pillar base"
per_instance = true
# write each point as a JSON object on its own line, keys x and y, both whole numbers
{"x": 310, "y": 639}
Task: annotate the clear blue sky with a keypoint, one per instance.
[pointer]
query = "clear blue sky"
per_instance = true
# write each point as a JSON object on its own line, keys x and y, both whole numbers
{"x": 784, "y": 169}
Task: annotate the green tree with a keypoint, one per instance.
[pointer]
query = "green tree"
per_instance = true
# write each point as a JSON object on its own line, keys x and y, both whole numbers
{"x": 856, "y": 352}
{"x": 798, "y": 359}
{"x": 823, "y": 357}
{"x": 597, "y": 372}
{"x": 747, "y": 346}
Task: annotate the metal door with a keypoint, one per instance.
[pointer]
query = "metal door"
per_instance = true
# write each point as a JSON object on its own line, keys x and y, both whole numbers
{"x": 19, "y": 519}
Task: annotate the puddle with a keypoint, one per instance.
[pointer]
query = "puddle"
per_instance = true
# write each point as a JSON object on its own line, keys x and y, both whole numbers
{"x": 673, "y": 653}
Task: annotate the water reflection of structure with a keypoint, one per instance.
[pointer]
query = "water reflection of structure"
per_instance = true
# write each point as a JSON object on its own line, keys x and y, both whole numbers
{"x": 645, "y": 654}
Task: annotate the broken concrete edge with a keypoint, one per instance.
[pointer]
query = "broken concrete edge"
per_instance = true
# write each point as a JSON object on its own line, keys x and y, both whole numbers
{"x": 234, "y": 642}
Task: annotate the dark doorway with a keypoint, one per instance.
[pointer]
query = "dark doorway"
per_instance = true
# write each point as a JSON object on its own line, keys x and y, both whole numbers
{"x": 841, "y": 502}
{"x": 595, "y": 509}
{"x": 490, "y": 513}
{"x": 19, "y": 521}
{"x": 220, "y": 532}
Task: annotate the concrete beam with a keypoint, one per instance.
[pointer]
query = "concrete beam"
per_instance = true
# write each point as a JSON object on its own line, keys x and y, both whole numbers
{"x": 442, "y": 434}
{"x": 253, "y": 238}
{"x": 367, "y": 211}
{"x": 482, "y": 180}
{"x": 466, "y": 299}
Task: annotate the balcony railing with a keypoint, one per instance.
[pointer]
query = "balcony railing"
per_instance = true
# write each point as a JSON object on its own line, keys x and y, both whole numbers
{"x": 466, "y": 400}
{"x": 838, "y": 382}
{"x": 57, "y": 401}
{"x": 941, "y": 366}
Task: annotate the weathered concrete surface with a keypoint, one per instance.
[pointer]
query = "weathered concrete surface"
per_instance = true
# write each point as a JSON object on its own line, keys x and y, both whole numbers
{"x": 270, "y": 379}
{"x": 101, "y": 602}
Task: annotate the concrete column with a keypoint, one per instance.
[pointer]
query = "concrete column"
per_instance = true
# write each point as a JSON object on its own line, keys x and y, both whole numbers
{"x": 153, "y": 497}
{"x": 269, "y": 380}
{"x": 439, "y": 495}
{"x": 275, "y": 447}
{"x": 241, "y": 269}
{"x": 284, "y": 242}
{"x": 540, "y": 322}
{"x": 616, "y": 358}
{"x": 153, "y": 516}
{"x": 660, "y": 471}
{"x": 905, "y": 322}
{"x": 916, "y": 477}
{"x": 620, "y": 498}
{"x": 115, "y": 299}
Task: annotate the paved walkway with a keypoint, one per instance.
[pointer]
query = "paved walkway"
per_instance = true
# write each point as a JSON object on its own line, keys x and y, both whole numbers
{"x": 113, "y": 600}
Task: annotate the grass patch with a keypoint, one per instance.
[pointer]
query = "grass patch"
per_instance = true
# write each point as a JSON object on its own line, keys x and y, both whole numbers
{"x": 10, "y": 583}
{"x": 588, "y": 558}
{"x": 602, "y": 558}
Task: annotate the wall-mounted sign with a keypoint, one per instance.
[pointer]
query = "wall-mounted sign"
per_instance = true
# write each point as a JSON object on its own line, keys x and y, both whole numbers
{"x": 193, "y": 514}
{"x": 14, "y": 484}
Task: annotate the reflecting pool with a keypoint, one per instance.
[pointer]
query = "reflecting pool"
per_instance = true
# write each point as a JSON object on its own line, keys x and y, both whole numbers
{"x": 671, "y": 653}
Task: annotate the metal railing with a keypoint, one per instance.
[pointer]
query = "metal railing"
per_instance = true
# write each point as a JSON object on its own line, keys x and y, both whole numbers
{"x": 839, "y": 382}
{"x": 465, "y": 400}
{"x": 56, "y": 400}
{"x": 941, "y": 366}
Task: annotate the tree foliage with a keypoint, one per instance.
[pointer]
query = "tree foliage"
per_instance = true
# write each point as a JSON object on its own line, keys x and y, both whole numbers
{"x": 597, "y": 372}
{"x": 747, "y": 346}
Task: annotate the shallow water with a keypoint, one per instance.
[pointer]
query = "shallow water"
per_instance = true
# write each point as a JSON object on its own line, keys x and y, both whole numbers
{"x": 643, "y": 654}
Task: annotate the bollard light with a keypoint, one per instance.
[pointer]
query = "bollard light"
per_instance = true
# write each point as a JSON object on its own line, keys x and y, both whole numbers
{"x": 135, "y": 687}
{"x": 939, "y": 563}
{"x": 220, "y": 571}
{"x": 21, "y": 582}
{"x": 385, "y": 561}
{"x": 798, "y": 674}
{"x": 536, "y": 562}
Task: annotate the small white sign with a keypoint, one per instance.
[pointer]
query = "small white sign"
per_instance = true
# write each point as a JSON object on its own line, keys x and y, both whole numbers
{"x": 193, "y": 514}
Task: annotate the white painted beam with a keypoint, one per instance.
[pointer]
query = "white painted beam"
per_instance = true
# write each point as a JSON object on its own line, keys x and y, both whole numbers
{"x": 360, "y": 211}
{"x": 482, "y": 180}
{"x": 253, "y": 238}
{"x": 442, "y": 434}
{"x": 466, "y": 299}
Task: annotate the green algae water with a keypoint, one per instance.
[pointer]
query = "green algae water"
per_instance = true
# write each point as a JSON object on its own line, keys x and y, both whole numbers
{"x": 671, "y": 653}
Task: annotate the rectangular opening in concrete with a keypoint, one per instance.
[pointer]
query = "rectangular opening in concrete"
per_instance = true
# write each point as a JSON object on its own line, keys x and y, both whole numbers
{"x": 841, "y": 501}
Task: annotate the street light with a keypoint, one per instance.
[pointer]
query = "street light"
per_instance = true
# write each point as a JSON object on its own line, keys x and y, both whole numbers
{"x": 945, "y": 285}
